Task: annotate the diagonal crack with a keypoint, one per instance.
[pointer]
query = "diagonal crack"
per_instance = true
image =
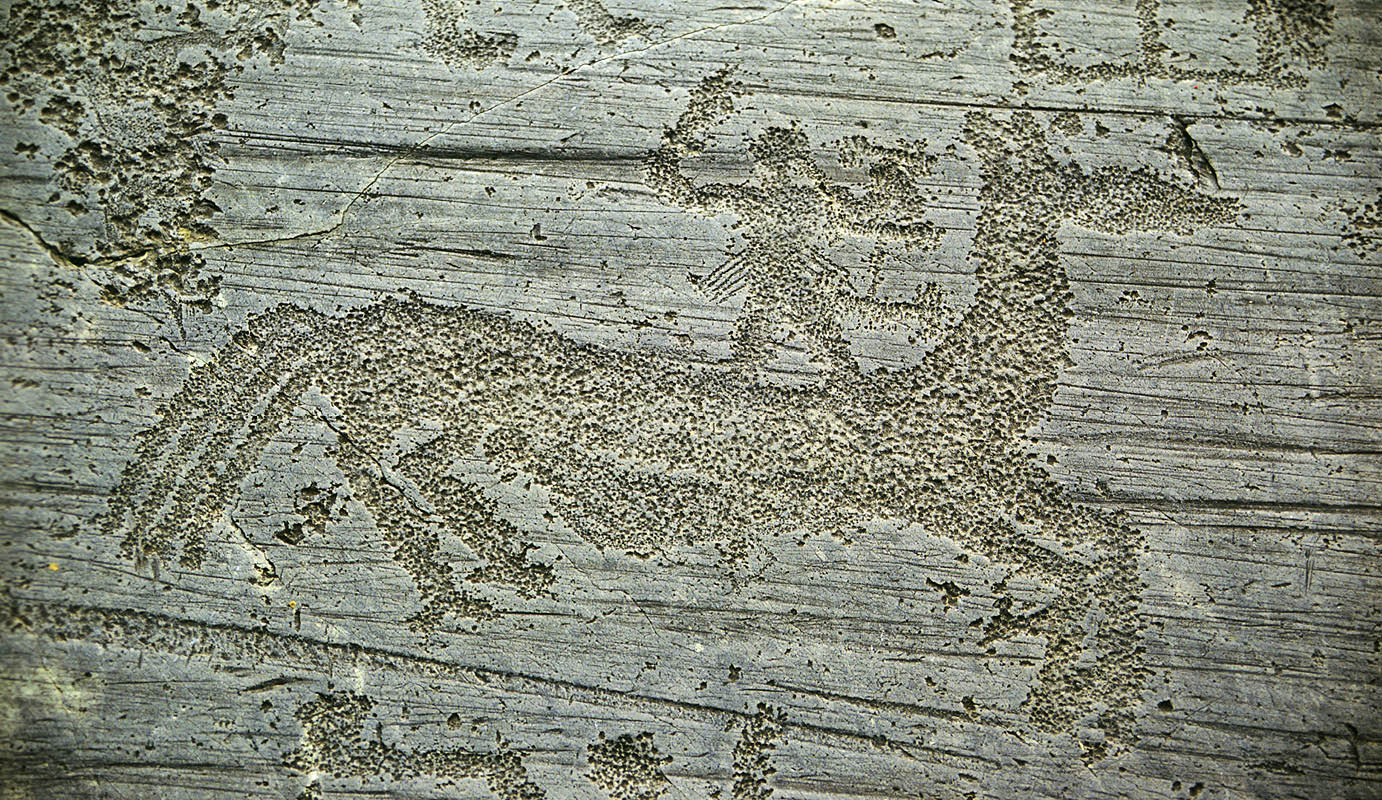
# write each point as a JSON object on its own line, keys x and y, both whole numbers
{"x": 415, "y": 149}
{"x": 78, "y": 262}
{"x": 54, "y": 252}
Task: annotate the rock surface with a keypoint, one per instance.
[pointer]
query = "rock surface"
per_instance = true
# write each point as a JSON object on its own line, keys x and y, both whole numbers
{"x": 585, "y": 399}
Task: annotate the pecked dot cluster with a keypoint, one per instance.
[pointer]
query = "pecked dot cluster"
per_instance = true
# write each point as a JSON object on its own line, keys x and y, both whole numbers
{"x": 138, "y": 114}
{"x": 788, "y": 215}
{"x": 628, "y": 767}
{"x": 1291, "y": 36}
{"x": 333, "y": 741}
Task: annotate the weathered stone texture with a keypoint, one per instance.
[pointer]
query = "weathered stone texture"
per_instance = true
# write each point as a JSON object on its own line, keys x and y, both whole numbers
{"x": 824, "y": 399}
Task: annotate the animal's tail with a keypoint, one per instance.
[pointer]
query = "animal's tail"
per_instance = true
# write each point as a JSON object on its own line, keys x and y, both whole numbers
{"x": 187, "y": 468}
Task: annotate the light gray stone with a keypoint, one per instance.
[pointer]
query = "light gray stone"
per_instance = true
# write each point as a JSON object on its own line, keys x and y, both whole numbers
{"x": 820, "y": 399}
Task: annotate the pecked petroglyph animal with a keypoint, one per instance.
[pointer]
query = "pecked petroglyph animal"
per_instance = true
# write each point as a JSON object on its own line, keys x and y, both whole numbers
{"x": 643, "y": 452}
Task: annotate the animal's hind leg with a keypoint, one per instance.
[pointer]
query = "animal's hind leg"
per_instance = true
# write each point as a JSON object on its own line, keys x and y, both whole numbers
{"x": 414, "y": 503}
{"x": 412, "y": 533}
{"x": 474, "y": 518}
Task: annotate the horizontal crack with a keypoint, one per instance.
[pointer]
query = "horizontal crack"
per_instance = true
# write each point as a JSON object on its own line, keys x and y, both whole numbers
{"x": 193, "y": 638}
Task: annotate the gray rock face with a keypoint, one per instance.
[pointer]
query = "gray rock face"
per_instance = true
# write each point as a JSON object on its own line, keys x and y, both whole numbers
{"x": 577, "y": 400}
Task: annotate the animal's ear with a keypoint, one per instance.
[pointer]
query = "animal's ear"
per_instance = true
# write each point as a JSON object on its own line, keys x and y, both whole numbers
{"x": 1120, "y": 200}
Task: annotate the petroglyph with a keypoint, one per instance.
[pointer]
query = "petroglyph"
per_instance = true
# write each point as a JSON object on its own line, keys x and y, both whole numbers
{"x": 789, "y": 215}
{"x": 643, "y": 453}
{"x": 333, "y": 741}
{"x": 753, "y": 766}
{"x": 720, "y": 401}
{"x": 133, "y": 89}
{"x": 628, "y": 767}
{"x": 1067, "y": 42}
{"x": 452, "y": 37}
{"x": 340, "y": 737}
{"x": 449, "y": 38}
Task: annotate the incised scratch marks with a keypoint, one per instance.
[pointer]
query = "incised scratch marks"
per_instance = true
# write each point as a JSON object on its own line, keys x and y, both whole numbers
{"x": 644, "y": 454}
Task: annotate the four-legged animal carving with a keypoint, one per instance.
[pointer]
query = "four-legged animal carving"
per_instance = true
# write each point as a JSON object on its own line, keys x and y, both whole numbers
{"x": 642, "y": 452}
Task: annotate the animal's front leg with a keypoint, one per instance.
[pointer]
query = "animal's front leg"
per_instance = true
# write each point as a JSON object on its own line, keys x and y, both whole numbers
{"x": 1093, "y": 673}
{"x": 1082, "y": 566}
{"x": 412, "y": 531}
{"x": 1095, "y": 664}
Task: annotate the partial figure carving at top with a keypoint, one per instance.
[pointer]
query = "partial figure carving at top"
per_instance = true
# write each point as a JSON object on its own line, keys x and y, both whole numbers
{"x": 645, "y": 453}
{"x": 1055, "y": 38}
{"x": 452, "y": 38}
{"x": 595, "y": 20}
{"x": 134, "y": 89}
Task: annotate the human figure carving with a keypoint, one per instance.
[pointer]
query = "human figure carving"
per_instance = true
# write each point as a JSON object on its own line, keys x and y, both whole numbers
{"x": 788, "y": 217}
{"x": 644, "y": 453}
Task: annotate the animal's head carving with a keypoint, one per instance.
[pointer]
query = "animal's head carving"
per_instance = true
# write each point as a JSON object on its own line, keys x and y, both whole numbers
{"x": 793, "y": 211}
